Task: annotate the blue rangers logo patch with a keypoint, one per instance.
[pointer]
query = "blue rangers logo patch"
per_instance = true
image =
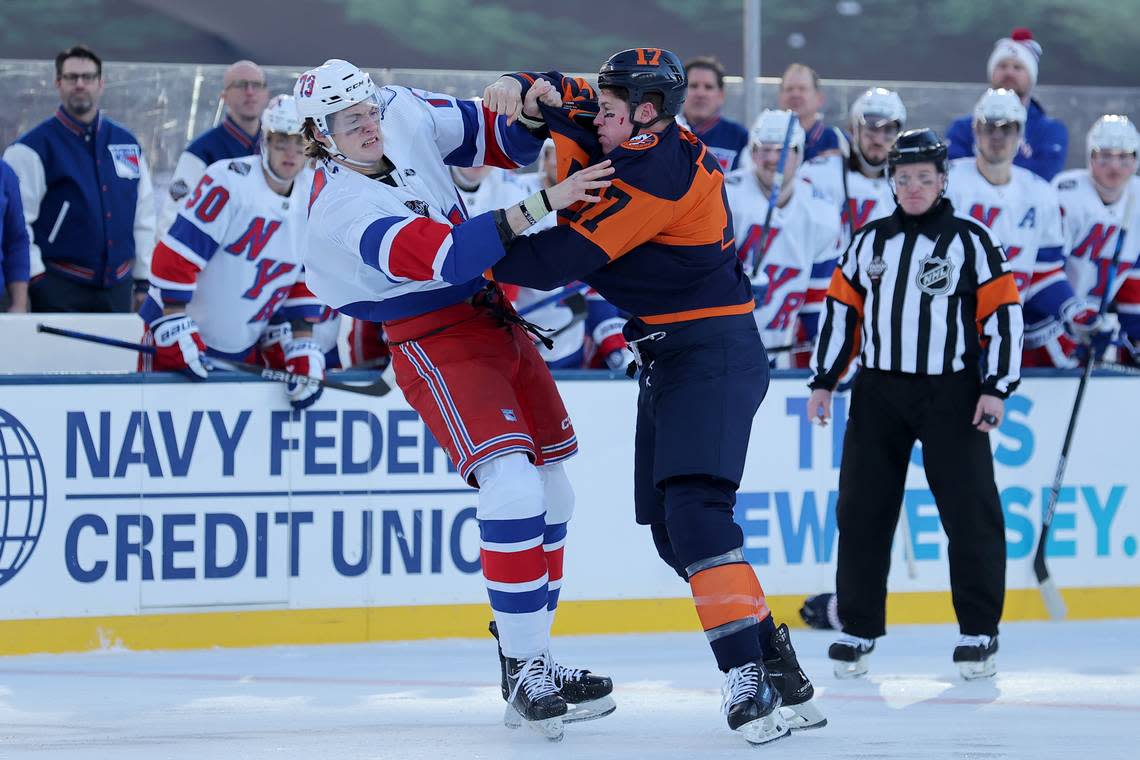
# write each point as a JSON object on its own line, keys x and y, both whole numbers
{"x": 126, "y": 159}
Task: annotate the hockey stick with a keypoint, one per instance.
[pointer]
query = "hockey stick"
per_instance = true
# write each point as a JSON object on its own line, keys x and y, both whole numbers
{"x": 380, "y": 387}
{"x": 774, "y": 195}
{"x": 1049, "y": 592}
{"x": 561, "y": 295}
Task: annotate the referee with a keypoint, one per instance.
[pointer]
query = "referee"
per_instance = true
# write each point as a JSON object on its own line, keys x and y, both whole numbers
{"x": 925, "y": 298}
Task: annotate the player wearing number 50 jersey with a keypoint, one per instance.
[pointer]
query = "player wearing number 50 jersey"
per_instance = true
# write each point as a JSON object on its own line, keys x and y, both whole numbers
{"x": 660, "y": 247}
{"x": 798, "y": 251}
{"x": 226, "y": 278}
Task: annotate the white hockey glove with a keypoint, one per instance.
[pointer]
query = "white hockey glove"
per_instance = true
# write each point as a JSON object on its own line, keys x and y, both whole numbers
{"x": 272, "y": 344}
{"x": 304, "y": 357}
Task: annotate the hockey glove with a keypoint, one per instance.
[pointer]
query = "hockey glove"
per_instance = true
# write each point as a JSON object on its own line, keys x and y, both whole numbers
{"x": 1096, "y": 332}
{"x": 272, "y": 344}
{"x": 304, "y": 357}
{"x": 179, "y": 346}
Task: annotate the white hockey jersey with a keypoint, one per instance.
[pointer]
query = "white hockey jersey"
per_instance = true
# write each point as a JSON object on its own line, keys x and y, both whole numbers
{"x": 867, "y": 199}
{"x": 233, "y": 255}
{"x": 385, "y": 249}
{"x": 1025, "y": 216}
{"x": 799, "y": 257}
{"x": 1092, "y": 229}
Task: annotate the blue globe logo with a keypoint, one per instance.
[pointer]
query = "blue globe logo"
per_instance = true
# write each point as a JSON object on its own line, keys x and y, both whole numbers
{"x": 23, "y": 496}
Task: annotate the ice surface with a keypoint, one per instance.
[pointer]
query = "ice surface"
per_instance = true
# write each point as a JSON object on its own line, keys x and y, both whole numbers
{"x": 1062, "y": 690}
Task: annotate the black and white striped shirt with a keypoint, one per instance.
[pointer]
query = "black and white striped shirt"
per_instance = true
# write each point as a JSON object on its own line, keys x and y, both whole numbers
{"x": 924, "y": 295}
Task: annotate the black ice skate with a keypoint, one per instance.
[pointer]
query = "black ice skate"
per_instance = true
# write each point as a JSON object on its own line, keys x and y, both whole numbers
{"x": 849, "y": 653}
{"x": 752, "y": 704}
{"x": 587, "y": 695}
{"x": 821, "y": 611}
{"x": 976, "y": 657}
{"x": 532, "y": 697}
{"x": 795, "y": 689}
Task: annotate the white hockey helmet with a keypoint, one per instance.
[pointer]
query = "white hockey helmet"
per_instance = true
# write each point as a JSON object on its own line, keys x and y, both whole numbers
{"x": 333, "y": 86}
{"x": 281, "y": 116}
{"x": 878, "y": 106}
{"x": 1113, "y": 132}
{"x": 771, "y": 127}
{"x": 1000, "y": 107}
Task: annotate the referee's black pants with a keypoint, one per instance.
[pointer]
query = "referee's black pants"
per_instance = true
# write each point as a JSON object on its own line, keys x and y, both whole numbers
{"x": 889, "y": 411}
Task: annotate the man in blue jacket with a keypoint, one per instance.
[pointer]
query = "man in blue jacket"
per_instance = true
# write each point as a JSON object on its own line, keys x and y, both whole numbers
{"x": 13, "y": 245}
{"x": 87, "y": 198}
{"x": 704, "y": 100}
{"x": 1013, "y": 66}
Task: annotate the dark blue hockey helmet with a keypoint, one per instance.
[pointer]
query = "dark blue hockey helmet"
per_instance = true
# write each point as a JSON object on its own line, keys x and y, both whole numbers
{"x": 641, "y": 71}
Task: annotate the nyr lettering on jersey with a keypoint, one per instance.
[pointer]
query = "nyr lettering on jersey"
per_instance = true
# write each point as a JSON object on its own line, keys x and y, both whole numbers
{"x": 778, "y": 276}
{"x": 270, "y": 307}
{"x": 858, "y": 215}
{"x": 268, "y": 270}
{"x": 785, "y": 316}
{"x": 1094, "y": 242}
{"x": 1020, "y": 279}
{"x": 254, "y": 238}
{"x": 1029, "y": 220}
{"x": 986, "y": 216}
{"x": 751, "y": 244}
{"x": 1103, "y": 264}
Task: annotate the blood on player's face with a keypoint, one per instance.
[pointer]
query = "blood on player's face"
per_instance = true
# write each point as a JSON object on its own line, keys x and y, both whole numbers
{"x": 613, "y": 122}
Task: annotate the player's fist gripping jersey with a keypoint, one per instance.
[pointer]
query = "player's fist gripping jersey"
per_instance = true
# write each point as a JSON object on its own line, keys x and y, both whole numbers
{"x": 234, "y": 256}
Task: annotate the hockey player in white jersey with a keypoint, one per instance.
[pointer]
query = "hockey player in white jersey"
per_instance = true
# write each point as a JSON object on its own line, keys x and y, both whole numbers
{"x": 227, "y": 277}
{"x": 857, "y": 183}
{"x": 389, "y": 242}
{"x": 586, "y": 330}
{"x": 1023, "y": 212}
{"x": 797, "y": 253}
{"x": 1095, "y": 201}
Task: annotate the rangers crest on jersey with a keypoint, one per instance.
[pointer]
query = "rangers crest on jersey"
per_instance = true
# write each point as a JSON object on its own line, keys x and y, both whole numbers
{"x": 934, "y": 276}
{"x": 126, "y": 158}
{"x": 418, "y": 207}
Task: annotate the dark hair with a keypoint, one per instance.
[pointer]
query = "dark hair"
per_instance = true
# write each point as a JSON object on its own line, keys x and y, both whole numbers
{"x": 654, "y": 98}
{"x": 78, "y": 51}
{"x": 708, "y": 63}
{"x": 801, "y": 67}
{"x": 313, "y": 149}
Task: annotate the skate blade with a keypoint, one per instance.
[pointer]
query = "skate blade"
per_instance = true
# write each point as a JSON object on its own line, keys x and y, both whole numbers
{"x": 846, "y": 670}
{"x": 767, "y": 729}
{"x": 803, "y": 716}
{"x": 592, "y": 710}
{"x": 973, "y": 671}
{"x": 551, "y": 728}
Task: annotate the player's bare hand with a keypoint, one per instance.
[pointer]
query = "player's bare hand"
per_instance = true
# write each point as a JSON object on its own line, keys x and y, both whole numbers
{"x": 819, "y": 407}
{"x": 581, "y": 186}
{"x": 504, "y": 96}
{"x": 989, "y": 413}
{"x": 543, "y": 92}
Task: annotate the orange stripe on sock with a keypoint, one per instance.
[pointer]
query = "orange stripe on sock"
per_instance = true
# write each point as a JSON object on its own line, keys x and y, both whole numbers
{"x": 726, "y": 593}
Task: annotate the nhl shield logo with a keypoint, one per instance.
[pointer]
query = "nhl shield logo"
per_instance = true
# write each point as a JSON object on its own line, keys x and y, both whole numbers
{"x": 418, "y": 207}
{"x": 934, "y": 276}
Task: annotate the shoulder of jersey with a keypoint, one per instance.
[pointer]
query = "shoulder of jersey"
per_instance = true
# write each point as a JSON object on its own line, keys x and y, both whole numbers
{"x": 640, "y": 143}
{"x": 964, "y": 162}
{"x": 818, "y": 161}
{"x": 1031, "y": 179}
{"x": 234, "y": 170}
{"x": 1069, "y": 180}
{"x": 736, "y": 177}
{"x": 821, "y": 210}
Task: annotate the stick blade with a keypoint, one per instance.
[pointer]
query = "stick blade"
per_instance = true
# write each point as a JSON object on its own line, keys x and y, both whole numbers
{"x": 1051, "y": 595}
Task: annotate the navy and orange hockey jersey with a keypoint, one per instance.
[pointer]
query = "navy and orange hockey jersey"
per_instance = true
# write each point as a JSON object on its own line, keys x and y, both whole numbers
{"x": 659, "y": 245}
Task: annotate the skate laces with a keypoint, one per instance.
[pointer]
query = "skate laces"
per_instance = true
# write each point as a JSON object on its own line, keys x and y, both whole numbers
{"x": 535, "y": 677}
{"x": 847, "y": 639}
{"x": 742, "y": 683}
{"x": 563, "y": 675}
{"x": 981, "y": 640}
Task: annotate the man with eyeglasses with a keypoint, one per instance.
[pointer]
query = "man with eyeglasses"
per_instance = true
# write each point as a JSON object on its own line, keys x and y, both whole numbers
{"x": 244, "y": 95}
{"x": 1095, "y": 202}
{"x": 1044, "y": 141}
{"x": 925, "y": 299}
{"x": 87, "y": 199}
{"x": 1023, "y": 212}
